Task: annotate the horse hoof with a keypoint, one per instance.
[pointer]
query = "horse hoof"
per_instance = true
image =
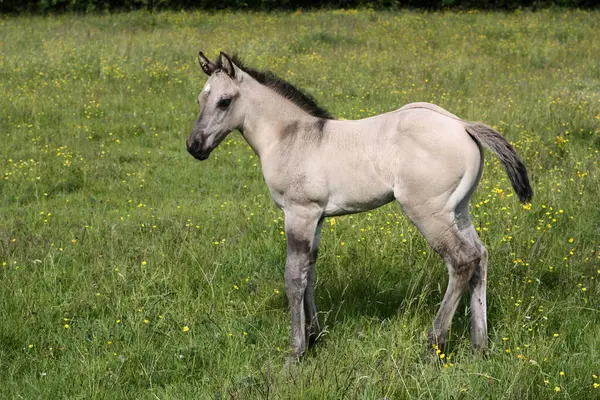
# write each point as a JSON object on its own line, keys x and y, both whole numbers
{"x": 436, "y": 343}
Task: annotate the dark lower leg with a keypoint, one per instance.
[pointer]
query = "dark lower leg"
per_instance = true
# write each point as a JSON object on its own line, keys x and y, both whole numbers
{"x": 310, "y": 310}
{"x": 479, "y": 336}
{"x": 441, "y": 324}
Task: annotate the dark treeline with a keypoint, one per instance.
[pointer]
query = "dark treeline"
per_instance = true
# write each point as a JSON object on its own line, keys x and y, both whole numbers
{"x": 47, "y": 6}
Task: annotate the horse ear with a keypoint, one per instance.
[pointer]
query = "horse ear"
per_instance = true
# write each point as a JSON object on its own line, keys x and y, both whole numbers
{"x": 207, "y": 66}
{"x": 227, "y": 65}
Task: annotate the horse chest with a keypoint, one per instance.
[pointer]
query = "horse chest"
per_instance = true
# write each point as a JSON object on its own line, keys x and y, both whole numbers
{"x": 295, "y": 185}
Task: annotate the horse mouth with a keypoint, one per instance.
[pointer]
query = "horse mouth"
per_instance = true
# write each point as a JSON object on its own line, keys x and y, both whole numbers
{"x": 198, "y": 153}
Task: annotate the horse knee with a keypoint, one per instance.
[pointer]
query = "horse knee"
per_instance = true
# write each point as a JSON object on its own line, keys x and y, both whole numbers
{"x": 296, "y": 282}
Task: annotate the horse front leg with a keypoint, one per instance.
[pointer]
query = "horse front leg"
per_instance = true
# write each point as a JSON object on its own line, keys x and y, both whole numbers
{"x": 300, "y": 228}
{"x": 313, "y": 329}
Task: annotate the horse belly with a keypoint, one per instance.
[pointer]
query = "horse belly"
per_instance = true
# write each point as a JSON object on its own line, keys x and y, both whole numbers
{"x": 356, "y": 197}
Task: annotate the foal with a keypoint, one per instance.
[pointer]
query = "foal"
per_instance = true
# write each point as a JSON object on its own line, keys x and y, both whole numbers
{"x": 426, "y": 158}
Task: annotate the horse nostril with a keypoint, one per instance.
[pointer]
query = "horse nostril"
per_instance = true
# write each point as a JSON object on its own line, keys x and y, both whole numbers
{"x": 193, "y": 146}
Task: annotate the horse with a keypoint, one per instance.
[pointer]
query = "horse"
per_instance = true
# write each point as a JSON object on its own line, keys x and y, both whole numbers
{"x": 315, "y": 166}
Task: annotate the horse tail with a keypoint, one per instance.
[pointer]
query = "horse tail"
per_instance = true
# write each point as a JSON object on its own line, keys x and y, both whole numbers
{"x": 517, "y": 173}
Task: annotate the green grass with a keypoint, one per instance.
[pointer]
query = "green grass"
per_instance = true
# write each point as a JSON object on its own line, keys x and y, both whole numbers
{"x": 113, "y": 239}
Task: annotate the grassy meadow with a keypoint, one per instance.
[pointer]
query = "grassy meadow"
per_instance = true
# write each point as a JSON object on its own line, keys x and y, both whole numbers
{"x": 130, "y": 270}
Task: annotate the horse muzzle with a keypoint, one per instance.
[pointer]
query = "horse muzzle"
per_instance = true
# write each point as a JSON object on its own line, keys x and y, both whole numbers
{"x": 195, "y": 148}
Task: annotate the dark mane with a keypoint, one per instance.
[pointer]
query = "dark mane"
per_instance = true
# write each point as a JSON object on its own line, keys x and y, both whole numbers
{"x": 284, "y": 88}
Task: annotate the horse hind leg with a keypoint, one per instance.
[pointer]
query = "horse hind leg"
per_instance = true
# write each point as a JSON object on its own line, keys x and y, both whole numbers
{"x": 453, "y": 237}
{"x": 463, "y": 259}
{"x": 479, "y": 335}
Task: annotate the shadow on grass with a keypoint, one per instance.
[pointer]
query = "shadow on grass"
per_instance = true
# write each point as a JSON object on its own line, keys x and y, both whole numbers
{"x": 375, "y": 296}
{"x": 363, "y": 296}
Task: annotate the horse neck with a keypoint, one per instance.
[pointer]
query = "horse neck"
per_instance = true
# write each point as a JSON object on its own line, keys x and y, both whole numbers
{"x": 266, "y": 117}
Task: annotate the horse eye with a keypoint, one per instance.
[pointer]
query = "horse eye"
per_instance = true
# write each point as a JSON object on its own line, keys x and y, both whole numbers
{"x": 224, "y": 103}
